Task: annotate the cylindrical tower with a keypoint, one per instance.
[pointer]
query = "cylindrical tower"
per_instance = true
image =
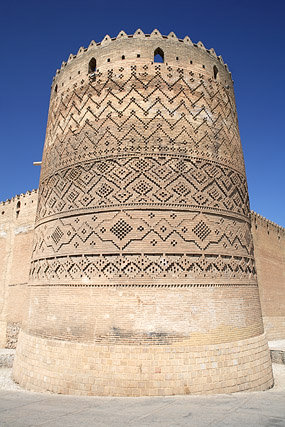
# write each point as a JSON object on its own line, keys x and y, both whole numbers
{"x": 142, "y": 278}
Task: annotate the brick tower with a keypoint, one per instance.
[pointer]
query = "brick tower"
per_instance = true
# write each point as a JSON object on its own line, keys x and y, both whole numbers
{"x": 142, "y": 278}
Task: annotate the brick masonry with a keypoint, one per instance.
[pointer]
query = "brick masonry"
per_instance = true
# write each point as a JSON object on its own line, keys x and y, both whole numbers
{"x": 17, "y": 218}
{"x": 269, "y": 247}
{"x": 124, "y": 370}
{"x": 268, "y": 239}
{"x": 142, "y": 241}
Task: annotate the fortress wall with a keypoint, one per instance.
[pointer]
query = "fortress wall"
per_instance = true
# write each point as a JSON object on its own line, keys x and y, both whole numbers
{"x": 142, "y": 236}
{"x": 16, "y": 236}
{"x": 17, "y": 218}
{"x": 142, "y": 270}
{"x": 269, "y": 247}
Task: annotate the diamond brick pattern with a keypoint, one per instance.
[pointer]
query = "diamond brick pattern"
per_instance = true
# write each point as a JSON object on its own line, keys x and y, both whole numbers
{"x": 201, "y": 230}
{"x": 180, "y": 152}
{"x": 142, "y": 256}
{"x": 121, "y": 229}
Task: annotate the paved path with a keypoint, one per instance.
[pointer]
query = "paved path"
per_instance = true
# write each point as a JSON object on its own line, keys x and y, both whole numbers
{"x": 21, "y": 408}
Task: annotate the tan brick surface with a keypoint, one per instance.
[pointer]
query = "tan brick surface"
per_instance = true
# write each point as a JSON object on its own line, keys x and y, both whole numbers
{"x": 17, "y": 217}
{"x": 269, "y": 249}
{"x": 93, "y": 369}
{"x": 142, "y": 272}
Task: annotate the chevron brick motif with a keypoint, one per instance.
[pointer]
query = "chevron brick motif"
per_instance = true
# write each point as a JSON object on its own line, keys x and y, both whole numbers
{"x": 139, "y": 160}
{"x": 122, "y": 230}
{"x": 142, "y": 278}
{"x": 121, "y": 113}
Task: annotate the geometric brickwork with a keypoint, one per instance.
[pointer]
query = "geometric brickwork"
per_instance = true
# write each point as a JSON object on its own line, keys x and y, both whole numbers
{"x": 187, "y": 165}
{"x": 101, "y": 245}
{"x": 142, "y": 235}
{"x": 144, "y": 181}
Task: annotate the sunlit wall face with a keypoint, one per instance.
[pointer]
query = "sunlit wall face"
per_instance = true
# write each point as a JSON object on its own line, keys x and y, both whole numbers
{"x": 142, "y": 239}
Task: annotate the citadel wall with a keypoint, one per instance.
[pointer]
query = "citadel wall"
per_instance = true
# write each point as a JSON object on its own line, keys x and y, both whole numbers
{"x": 17, "y": 217}
{"x": 142, "y": 258}
{"x": 269, "y": 248}
{"x": 142, "y": 237}
{"x": 16, "y": 238}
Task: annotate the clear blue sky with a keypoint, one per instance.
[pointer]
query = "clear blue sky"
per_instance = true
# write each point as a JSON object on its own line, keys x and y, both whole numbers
{"x": 36, "y": 36}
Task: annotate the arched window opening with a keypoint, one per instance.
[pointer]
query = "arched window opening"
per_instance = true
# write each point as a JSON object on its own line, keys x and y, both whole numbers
{"x": 18, "y": 208}
{"x": 92, "y": 65}
{"x": 55, "y": 89}
{"x": 215, "y": 69}
{"x": 158, "y": 55}
{"x": 123, "y": 56}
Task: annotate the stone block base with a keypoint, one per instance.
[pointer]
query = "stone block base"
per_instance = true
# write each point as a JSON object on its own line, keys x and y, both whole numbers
{"x": 119, "y": 370}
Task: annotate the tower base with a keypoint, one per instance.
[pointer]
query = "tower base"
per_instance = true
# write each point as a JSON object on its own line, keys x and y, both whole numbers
{"x": 146, "y": 370}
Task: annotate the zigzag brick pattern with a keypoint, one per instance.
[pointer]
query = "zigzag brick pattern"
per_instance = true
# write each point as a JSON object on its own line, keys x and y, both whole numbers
{"x": 143, "y": 204}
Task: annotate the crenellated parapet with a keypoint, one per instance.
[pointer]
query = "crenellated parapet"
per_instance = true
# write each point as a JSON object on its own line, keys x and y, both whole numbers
{"x": 19, "y": 209}
{"x": 258, "y": 220}
{"x": 139, "y": 48}
{"x": 19, "y": 197}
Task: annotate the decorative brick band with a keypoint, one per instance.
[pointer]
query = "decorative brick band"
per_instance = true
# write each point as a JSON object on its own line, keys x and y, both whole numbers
{"x": 148, "y": 285}
{"x": 143, "y": 183}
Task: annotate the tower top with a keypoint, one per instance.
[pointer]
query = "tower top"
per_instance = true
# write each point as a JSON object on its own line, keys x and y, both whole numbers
{"x": 140, "y": 47}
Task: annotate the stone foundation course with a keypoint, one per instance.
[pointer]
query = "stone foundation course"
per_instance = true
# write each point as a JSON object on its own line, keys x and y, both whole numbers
{"x": 120, "y": 370}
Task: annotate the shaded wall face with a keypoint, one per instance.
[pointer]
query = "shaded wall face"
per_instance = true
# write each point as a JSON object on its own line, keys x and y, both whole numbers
{"x": 269, "y": 248}
{"x": 17, "y": 217}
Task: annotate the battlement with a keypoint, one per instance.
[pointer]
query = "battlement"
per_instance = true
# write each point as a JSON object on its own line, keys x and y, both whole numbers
{"x": 140, "y": 47}
{"x": 20, "y": 208}
{"x": 259, "y": 220}
{"x": 19, "y": 197}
